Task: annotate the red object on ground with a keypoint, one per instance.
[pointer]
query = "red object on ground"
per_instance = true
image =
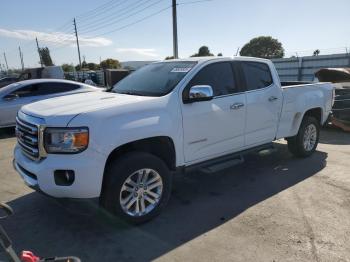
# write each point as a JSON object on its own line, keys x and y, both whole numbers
{"x": 28, "y": 256}
{"x": 340, "y": 124}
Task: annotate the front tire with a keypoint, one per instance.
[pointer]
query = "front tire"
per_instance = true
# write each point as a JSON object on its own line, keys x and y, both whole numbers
{"x": 305, "y": 142}
{"x": 136, "y": 187}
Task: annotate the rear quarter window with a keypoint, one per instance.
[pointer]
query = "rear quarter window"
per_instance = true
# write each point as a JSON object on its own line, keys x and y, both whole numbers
{"x": 257, "y": 75}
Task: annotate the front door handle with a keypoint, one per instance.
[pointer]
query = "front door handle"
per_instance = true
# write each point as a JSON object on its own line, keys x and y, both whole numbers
{"x": 236, "y": 106}
{"x": 272, "y": 98}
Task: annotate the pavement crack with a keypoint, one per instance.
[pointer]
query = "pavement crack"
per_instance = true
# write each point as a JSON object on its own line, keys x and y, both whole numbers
{"x": 329, "y": 182}
{"x": 309, "y": 230}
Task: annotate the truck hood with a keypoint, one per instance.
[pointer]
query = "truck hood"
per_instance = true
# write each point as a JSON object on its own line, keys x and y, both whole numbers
{"x": 61, "y": 110}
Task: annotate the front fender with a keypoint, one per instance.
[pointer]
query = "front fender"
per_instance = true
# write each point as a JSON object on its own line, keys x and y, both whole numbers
{"x": 110, "y": 130}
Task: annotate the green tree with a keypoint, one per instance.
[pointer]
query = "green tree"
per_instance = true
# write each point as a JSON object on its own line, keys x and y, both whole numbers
{"x": 203, "y": 51}
{"x": 45, "y": 56}
{"x": 93, "y": 66}
{"x": 110, "y": 63}
{"x": 68, "y": 67}
{"x": 169, "y": 57}
{"x": 316, "y": 52}
{"x": 263, "y": 47}
{"x": 219, "y": 54}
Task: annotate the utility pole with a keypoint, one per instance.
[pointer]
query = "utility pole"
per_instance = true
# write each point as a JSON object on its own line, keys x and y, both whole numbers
{"x": 21, "y": 57}
{"x": 237, "y": 51}
{"x": 76, "y": 35}
{"x": 37, "y": 45}
{"x": 175, "y": 42}
{"x": 7, "y": 66}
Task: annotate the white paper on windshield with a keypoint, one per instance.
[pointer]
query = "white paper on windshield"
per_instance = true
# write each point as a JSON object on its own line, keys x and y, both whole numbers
{"x": 181, "y": 70}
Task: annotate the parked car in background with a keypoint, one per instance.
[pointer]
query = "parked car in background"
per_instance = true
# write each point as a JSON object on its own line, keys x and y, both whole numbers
{"x": 14, "y": 96}
{"x": 340, "y": 77}
{"x": 124, "y": 146}
{"x": 7, "y": 80}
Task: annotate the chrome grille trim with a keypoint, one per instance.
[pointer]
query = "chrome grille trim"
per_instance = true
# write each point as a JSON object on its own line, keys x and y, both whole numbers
{"x": 32, "y": 129}
{"x": 28, "y": 132}
{"x": 32, "y": 151}
{"x": 26, "y": 138}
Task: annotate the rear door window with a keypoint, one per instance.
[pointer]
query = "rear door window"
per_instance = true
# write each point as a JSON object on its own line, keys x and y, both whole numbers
{"x": 257, "y": 75}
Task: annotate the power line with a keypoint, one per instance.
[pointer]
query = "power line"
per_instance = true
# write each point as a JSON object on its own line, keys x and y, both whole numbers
{"x": 135, "y": 22}
{"x": 114, "y": 15}
{"x": 64, "y": 39}
{"x": 194, "y": 2}
{"x": 123, "y": 18}
{"x": 66, "y": 25}
{"x": 98, "y": 10}
{"x": 103, "y": 11}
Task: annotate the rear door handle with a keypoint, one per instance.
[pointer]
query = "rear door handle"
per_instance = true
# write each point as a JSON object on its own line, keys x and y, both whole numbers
{"x": 272, "y": 98}
{"x": 236, "y": 106}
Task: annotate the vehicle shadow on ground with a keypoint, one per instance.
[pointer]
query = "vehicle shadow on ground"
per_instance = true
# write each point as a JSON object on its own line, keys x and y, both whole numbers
{"x": 200, "y": 202}
{"x": 7, "y": 132}
{"x": 334, "y": 136}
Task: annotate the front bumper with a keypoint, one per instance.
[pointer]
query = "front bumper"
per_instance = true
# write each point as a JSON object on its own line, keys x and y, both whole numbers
{"x": 88, "y": 167}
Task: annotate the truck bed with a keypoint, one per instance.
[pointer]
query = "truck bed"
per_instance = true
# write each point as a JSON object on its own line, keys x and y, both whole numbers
{"x": 296, "y": 97}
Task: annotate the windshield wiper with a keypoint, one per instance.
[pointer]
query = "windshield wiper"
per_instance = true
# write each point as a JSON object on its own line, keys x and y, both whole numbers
{"x": 133, "y": 93}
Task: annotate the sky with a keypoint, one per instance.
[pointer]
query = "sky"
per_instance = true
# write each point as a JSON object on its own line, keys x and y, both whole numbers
{"x": 130, "y": 30}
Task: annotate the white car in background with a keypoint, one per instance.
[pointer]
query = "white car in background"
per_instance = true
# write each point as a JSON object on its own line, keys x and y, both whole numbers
{"x": 14, "y": 96}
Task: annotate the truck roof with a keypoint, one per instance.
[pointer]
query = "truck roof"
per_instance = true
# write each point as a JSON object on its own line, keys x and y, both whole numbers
{"x": 203, "y": 59}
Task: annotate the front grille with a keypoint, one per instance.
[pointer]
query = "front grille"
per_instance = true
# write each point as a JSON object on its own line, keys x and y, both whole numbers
{"x": 28, "y": 138}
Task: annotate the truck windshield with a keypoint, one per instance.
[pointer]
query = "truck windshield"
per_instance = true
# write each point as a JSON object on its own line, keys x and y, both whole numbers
{"x": 156, "y": 79}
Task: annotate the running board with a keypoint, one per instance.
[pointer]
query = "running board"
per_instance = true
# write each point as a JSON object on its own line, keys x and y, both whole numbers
{"x": 223, "y": 165}
{"x": 226, "y": 161}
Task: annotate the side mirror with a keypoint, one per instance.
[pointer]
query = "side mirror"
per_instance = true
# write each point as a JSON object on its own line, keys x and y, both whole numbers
{"x": 10, "y": 97}
{"x": 200, "y": 93}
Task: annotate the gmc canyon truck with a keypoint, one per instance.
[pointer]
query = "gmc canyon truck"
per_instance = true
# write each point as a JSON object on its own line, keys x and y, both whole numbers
{"x": 125, "y": 145}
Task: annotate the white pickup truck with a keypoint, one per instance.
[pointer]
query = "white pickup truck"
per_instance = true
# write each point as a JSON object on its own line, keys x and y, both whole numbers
{"x": 124, "y": 146}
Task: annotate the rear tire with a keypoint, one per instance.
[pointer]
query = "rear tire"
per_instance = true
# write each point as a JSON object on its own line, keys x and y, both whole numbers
{"x": 305, "y": 142}
{"x": 132, "y": 182}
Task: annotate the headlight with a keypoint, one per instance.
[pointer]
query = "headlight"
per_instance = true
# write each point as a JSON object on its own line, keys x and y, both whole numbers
{"x": 66, "y": 140}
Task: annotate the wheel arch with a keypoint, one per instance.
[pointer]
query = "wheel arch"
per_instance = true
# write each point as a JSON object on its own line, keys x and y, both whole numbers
{"x": 298, "y": 117}
{"x": 160, "y": 146}
{"x": 316, "y": 113}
